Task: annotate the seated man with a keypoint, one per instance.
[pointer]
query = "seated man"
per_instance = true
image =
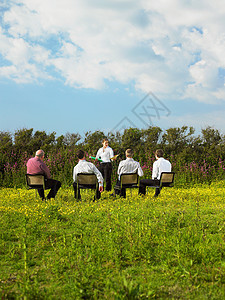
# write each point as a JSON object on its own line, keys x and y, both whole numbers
{"x": 35, "y": 165}
{"x": 84, "y": 166}
{"x": 159, "y": 166}
{"x": 129, "y": 165}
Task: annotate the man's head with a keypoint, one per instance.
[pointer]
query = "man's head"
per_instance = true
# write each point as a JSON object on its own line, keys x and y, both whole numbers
{"x": 80, "y": 154}
{"x": 40, "y": 154}
{"x": 129, "y": 153}
{"x": 159, "y": 153}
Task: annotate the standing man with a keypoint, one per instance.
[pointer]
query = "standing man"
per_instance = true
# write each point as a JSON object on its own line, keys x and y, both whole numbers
{"x": 159, "y": 166}
{"x": 35, "y": 165}
{"x": 84, "y": 166}
{"x": 105, "y": 154}
{"x": 129, "y": 165}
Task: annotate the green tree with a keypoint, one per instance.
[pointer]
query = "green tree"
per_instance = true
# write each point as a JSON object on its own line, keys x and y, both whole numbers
{"x": 211, "y": 136}
{"x": 151, "y": 138}
{"x": 42, "y": 140}
{"x": 5, "y": 140}
{"x": 93, "y": 141}
{"x": 23, "y": 140}
{"x": 71, "y": 139}
{"x": 60, "y": 142}
{"x": 115, "y": 140}
{"x": 213, "y": 144}
{"x": 131, "y": 138}
{"x": 5, "y": 151}
{"x": 176, "y": 139}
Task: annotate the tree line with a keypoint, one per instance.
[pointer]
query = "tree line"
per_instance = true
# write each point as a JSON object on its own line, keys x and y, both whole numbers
{"x": 180, "y": 144}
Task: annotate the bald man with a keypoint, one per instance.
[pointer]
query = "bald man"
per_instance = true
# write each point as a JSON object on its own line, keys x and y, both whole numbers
{"x": 35, "y": 165}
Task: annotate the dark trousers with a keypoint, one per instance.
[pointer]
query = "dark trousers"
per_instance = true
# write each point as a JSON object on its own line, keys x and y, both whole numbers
{"x": 106, "y": 170}
{"x": 148, "y": 182}
{"x": 52, "y": 184}
{"x": 90, "y": 186}
{"x": 119, "y": 191}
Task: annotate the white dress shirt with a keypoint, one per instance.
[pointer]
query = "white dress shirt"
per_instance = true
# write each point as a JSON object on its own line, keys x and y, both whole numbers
{"x": 159, "y": 166}
{"x": 129, "y": 165}
{"x": 84, "y": 166}
{"x": 105, "y": 154}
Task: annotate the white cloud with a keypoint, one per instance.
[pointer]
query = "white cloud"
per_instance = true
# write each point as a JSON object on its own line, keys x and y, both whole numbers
{"x": 173, "y": 48}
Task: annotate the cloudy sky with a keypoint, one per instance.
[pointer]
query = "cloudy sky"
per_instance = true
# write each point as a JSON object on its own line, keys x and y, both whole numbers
{"x": 79, "y": 65}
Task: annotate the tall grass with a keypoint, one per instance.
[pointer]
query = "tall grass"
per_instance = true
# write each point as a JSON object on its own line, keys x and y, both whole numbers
{"x": 171, "y": 247}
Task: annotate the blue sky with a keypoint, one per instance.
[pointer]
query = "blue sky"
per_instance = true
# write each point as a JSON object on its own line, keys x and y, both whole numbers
{"x": 80, "y": 65}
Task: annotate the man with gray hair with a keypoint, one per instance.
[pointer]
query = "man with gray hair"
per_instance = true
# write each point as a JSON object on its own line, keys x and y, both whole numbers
{"x": 35, "y": 165}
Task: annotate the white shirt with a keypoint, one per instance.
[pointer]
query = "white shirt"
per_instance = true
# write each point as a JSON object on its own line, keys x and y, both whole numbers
{"x": 84, "y": 166}
{"x": 105, "y": 154}
{"x": 159, "y": 166}
{"x": 129, "y": 165}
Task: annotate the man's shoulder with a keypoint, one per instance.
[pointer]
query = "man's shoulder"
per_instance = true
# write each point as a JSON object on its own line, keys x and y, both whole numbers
{"x": 133, "y": 161}
{"x": 84, "y": 162}
{"x": 90, "y": 164}
{"x": 32, "y": 159}
{"x": 163, "y": 160}
{"x": 137, "y": 162}
{"x": 167, "y": 161}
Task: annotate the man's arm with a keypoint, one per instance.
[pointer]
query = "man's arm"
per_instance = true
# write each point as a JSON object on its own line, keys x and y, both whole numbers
{"x": 45, "y": 170}
{"x": 140, "y": 171}
{"x": 74, "y": 174}
{"x": 119, "y": 168}
{"x": 155, "y": 170}
{"x": 98, "y": 175}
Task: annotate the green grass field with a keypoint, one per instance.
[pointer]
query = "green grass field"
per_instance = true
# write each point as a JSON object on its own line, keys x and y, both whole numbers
{"x": 172, "y": 247}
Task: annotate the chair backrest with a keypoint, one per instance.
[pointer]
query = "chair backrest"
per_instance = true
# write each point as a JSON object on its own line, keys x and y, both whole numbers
{"x": 129, "y": 179}
{"x": 167, "y": 179}
{"x": 35, "y": 180}
{"x": 86, "y": 179}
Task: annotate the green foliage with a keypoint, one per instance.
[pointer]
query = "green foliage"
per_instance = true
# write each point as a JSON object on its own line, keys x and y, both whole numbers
{"x": 194, "y": 158}
{"x": 151, "y": 137}
{"x": 27, "y": 141}
{"x": 5, "y": 140}
{"x": 131, "y": 137}
{"x": 93, "y": 141}
{"x": 211, "y": 136}
{"x": 71, "y": 139}
{"x": 177, "y": 138}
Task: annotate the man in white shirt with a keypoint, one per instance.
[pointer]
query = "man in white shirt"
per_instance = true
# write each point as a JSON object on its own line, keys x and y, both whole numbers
{"x": 84, "y": 166}
{"x": 105, "y": 154}
{"x": 159, "y": 166}
{"x": 129, "y": 165}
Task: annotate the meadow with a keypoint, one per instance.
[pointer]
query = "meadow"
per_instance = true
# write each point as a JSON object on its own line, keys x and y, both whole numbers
{"x": 170, "y": 247}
